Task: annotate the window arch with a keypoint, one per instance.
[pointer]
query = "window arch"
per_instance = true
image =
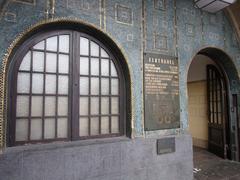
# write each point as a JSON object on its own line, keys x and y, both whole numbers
{"x": 65, "y": 85}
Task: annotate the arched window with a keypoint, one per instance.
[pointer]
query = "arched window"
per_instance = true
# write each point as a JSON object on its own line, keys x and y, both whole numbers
{"x": 65, "y": 85}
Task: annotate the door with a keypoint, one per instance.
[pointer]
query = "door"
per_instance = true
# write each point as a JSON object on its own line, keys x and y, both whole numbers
{"x": 217, "y": 112}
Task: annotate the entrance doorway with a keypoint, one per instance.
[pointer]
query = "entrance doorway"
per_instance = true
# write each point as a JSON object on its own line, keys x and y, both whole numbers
{"x": 208, "y": 106}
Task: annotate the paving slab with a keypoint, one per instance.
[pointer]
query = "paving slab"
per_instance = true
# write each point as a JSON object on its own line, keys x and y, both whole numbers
{"x": 208, "y": 166}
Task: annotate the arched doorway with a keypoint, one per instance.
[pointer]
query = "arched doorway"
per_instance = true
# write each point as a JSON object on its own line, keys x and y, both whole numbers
{"x": 212, "y": 103}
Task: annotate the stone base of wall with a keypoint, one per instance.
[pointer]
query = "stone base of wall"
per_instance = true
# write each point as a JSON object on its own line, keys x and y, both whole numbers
{"x": 108, "y": 159}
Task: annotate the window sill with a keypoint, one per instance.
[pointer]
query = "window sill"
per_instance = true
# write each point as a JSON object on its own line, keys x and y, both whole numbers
{"x": 62, "y": 144}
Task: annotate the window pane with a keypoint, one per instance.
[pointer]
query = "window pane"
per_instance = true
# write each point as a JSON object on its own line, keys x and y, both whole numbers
{"x": 94, "y": 66}
{"x": 50, "y": 103}
{"x": 84, "y": 66}
{"x": 83, "y": 105}
{"x": 115, "y": 105}
{"x": 25, "y": 64}
{"x": 84, "y": 46}
{"x": 113, "y": 70}
{"x": 51, "y": 62}
{"x": 63, "y": 63}
{"x": 37, "y": 83}
{"x": 94, "y": 49}
{"x": 50, "y": 86}
{"x": 104, "y": 53}
{"x": 62, "y": 127}
{"x": 64, "y": 43}
{"x": 23, "y": 83}
{"x": 36, "y": 106}
{"x": 105, "y": 86}
{"x": 62, "y": 84}
{"x": 105, "y": 105}
{"x": 36, "y": 129}
{"x": 83, "y": 126}
{"x": 39, "y": 46}
{"x": 49, "y": 128}
{"x": 94, "y": 86}
{"x": 22, "y": 106}
{"x": 95, "y": 126}
{"x": 104, "y": 125}
{"x": 52, "y": 43}
{"x": 114, "y": 87}
{"x": 84, "y": 85}
{"x": 21, "y": 130}
{"x": 104, "y": 67}
{"x": 115, "y": 124}
{"x": 62, "y": 106}
{"x": 94, "y": 105}
{"x": 38, "y": 61}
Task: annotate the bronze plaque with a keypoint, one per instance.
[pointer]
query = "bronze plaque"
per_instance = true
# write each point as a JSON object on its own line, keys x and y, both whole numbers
{"x": 161, "y": 89}
{"x": 166, "y": 145}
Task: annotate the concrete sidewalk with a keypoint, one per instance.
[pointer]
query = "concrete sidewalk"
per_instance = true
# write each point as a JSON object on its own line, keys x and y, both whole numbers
{"x": 208, "y": 166}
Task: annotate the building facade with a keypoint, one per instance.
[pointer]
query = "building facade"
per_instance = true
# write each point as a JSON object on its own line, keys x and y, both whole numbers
{"x": 94, "y": 121}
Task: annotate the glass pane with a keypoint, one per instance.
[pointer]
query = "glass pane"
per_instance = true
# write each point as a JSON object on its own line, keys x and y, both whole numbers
{"x": 52, "y": 43}
{"x": 104, "y": 53}
{"x": 95, "y": 126}
{"x": 83, "y": 126}
{"x": 49, "y": 128}
{"x": 21, "y": 130}
{"x": 63, "y": 63}
{"x": 36, "y": 129}
{"x": 83, "y": 105}
{"x": 62, "y": 106}
{"x": 50, "y": 86}
{"x": 39, "y": 45}
{"x": 114, "y": 87}
{"x": 104, "y": 125}
{"x": 50, "y": 103}
{"x": 64, "y": 43}
{"x": 115, "y": 105}
{"x": 51, "y": 62}
{"x": 94, "y": 86}
{"x": 22, "y": 106}
{"x": 105, "y": 105}
{"x": 62, "y": 84}
{"x": 84, "y": 85}
{"x": 37, "y": 83}
{"x": 94, "y": 105}
{"x": 84, "y": 66}
{"x": 115, "y": 124}
{"x": 105, "y": 86}
{"x": 36, "y": 106}
{"x": 62, "y": 127}
{"x": 104, "y": 67}
{"x": 84, "y": 46}
{"x": 38, "y": 61}
{"x": 94, "y": 66}
{"x": 23, "y": 83}
{"x": 94, "y": 49}
{"x": 113, "y": 70}
{"x": 25, "y": 64}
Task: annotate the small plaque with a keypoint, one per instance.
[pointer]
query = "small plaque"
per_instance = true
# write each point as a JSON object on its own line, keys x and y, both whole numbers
{"x": 166, "y": 145}
{"x": 161, "y": 92}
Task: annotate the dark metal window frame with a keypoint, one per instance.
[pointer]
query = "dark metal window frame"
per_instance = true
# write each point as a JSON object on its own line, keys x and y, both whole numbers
{"x": 73, "y": 103}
